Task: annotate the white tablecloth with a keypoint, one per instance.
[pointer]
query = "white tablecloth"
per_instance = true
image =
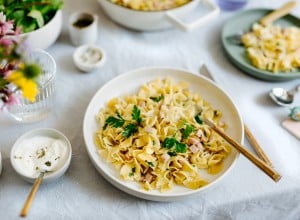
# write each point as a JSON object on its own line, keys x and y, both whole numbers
{"x": 82, "y": 193}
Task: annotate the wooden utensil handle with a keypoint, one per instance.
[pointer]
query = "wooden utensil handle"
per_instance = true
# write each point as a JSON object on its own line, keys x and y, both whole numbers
{"x": 282, "y": 11}
{"x": 257, "y": 147}
{"x": 258, "y": 162}
{"x": 31, "y": 195}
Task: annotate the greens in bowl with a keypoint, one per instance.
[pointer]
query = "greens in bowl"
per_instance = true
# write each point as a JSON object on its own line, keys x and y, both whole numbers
{"x": 30, "y": 14}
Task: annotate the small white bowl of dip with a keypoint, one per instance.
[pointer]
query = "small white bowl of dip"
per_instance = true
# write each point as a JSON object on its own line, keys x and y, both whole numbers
{"x": 89, "y": 57}
{"x": 41, "y": 150}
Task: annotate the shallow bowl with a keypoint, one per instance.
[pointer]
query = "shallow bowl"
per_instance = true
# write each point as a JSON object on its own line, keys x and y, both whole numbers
{"x": 45, "y": 132}
{"x": 129, "y": 83}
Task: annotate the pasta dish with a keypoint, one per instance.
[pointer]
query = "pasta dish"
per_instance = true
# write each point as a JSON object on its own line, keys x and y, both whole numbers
{"x": 273, "y": 48}
{"x": 157, "y": 138}
{"x": 150, "y": 5}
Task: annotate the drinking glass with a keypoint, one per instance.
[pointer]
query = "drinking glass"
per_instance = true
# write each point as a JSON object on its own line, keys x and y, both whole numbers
{"x": 26, "y": 111}
{"x": 231, "y": 5}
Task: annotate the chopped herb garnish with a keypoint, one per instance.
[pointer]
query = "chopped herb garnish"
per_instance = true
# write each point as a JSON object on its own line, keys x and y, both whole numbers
{"x": 57, "y": 158}
{"x": 157, "y": 99}
{"x": 48, "y": 163}
{"x": 173, "y": 143}
{"x": 169, "y": 142}
{"x": 40, "y": 153}
{"x": 198, "y": 119}
{"x": 129, "y": 130}
{"x": 172, "y": 153}
{"x": 115, "y": 122}
{"x": 136, "y": 114}
{"x": 132, "y": 172}
{"x": 187, "y": 131}
{"x": 150, "y": 164}
{"x": 180, "y": 147}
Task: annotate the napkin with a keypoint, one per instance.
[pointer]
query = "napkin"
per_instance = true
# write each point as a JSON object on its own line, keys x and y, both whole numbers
{"x": 292, "y": 126}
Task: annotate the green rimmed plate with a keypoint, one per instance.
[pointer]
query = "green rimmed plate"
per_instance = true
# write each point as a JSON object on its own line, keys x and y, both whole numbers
{"x": 243, "y": 21}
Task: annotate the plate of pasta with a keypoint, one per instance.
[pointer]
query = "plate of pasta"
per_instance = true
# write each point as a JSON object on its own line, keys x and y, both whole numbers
{"x": 270, "y": 53}
{"x": 144, "y": 133}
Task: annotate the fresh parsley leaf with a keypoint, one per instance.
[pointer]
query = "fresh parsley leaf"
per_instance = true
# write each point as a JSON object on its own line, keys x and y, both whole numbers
{"x": 132, "y": 172}
{"x": 115, "y": 122}
{"x": 136, "y": 114}
{"x": 172, "y": 153}
{"x": 169, "y": 142}
{"x": 129, "y": 130}
{"x": 150, "y": 164}
{"x": 157, "y": 99}
{"x": 180, "y": 147}
{"x": 187, "y": 131}
{"x": 198, "y": 119}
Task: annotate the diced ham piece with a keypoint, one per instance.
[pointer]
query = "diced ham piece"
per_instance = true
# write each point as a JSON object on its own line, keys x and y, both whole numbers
{"x": 148, "y": 177}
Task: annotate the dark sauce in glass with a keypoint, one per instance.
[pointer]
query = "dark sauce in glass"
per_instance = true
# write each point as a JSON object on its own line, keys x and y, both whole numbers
{"x": 83, "y": 22}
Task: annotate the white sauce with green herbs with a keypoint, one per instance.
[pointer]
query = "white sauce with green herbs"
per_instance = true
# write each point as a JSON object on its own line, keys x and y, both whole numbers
{"x": 38, "y": 154}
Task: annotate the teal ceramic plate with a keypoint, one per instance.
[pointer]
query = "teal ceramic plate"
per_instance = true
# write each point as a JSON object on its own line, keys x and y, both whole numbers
{"x": 243, "y": 21}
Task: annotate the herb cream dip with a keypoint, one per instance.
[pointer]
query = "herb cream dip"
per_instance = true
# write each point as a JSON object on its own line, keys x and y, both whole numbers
{"x": 40, "y": 153}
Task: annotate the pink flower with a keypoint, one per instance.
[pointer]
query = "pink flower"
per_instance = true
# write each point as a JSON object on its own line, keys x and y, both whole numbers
{"x": 6, "y": 42}
{"x": 6, "y": 27}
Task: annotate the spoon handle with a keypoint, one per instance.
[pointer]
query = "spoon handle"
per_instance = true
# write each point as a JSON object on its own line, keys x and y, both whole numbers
{"x": 31, "y": 195}
{"x": 282, "y": 11}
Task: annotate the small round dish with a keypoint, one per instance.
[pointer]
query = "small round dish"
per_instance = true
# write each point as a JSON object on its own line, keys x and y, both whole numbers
{"x": 89, "y": 57}
{"x": 243, "y": 21}
{"x": 41, "y": 150}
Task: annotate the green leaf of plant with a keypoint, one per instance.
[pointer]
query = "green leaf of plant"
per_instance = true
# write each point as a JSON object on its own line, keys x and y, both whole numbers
{"x": 157, "y": 99}
{"x": 129, "y": 130}
{"x": 187, "y": 131}
{"x": 136, "y": 114}
{"x": 114, "y": 122}
{"x": 37, "y": 15}
{"x": 180, "y": 147}
{"x": 169, "y": 142}
{"x": 198, "y": 119}
{"x": 172, "y": 153}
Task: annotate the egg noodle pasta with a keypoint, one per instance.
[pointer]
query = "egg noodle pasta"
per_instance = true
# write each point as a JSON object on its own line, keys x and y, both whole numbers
{"x": 150, "y": 5}
{"x": 156, "y": 137}
{"x": 273, "y": 48}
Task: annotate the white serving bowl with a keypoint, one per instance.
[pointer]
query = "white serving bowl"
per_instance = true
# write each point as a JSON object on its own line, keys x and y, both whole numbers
{"x": 88, "y": 63}
{"x": 45, "y": 36}
{"x": 129, "y": 83}
{"x": 45, "y": 132}
{"x": 158, "y": 20}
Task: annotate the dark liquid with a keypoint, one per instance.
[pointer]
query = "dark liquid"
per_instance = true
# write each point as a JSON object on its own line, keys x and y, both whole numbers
{"x": 83, "y": 22}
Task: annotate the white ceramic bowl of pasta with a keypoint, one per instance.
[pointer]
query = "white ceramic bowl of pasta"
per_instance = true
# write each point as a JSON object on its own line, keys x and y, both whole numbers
{"x": 128, "y": 84}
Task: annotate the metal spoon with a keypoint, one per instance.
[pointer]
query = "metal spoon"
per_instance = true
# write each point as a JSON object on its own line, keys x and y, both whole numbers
{"x": 283, "y": 97}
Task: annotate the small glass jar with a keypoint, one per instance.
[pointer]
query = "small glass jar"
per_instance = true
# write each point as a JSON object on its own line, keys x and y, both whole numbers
{"x": 26, "y": 111}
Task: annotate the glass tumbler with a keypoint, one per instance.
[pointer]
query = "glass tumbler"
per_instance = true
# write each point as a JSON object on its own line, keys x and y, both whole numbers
{"x": 26, "y": 111}
{"x": 231, "y": 5}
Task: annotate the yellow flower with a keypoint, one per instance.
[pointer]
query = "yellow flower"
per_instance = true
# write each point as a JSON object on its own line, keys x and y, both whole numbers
{"x": 27, "y": 86}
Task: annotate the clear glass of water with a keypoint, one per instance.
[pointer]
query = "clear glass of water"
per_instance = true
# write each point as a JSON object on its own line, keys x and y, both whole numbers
{"x": 26, "y": 111}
